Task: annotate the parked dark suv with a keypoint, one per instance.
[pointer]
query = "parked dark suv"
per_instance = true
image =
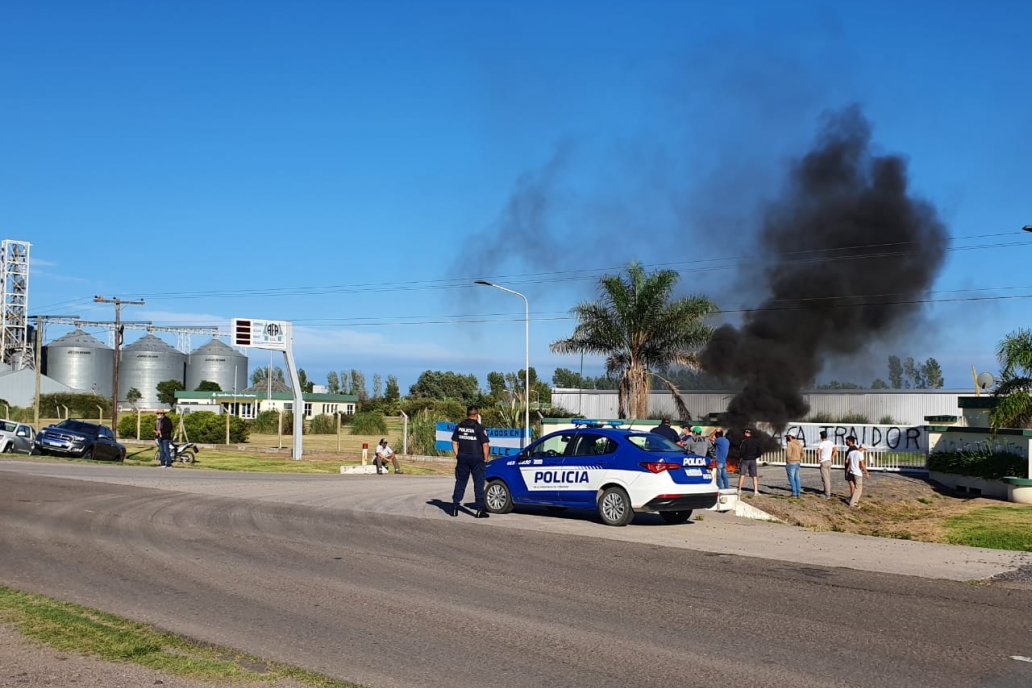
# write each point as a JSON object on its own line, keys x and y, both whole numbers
{"x": 81, "y": 439}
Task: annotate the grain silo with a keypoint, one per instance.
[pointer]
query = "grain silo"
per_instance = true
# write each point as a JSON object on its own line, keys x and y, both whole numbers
{"x": 219, "y": 363}
{"x": 145, "y": 363}
{"x": 80, "y": 361}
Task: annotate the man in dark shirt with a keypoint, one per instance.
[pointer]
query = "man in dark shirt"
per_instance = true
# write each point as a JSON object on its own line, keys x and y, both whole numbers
{"x": 666, "y": 431}
{"x": 472, "y": 449}
{"x": 750, "y": 451}
{"x": 164, "y": 433}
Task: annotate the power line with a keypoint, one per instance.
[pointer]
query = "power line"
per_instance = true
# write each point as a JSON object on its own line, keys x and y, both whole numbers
{"x": 817, "y": 255}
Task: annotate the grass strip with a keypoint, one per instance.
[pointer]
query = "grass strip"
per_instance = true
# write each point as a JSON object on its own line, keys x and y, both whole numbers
{"x": 998, "y": 527}
{"x": 73, "y": 628}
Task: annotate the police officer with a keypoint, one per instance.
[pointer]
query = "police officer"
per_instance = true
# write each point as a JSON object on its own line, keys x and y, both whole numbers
{"x": 472, "y": 448}
{"x": 664, "y": 430}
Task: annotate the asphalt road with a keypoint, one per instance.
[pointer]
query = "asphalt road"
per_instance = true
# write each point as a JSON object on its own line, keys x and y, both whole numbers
{"x": 314, "y": 571}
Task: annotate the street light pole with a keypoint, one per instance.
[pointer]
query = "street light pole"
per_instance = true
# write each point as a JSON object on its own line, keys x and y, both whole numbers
{"x": 526, "y": 357}
{"x": 118, "y": 346}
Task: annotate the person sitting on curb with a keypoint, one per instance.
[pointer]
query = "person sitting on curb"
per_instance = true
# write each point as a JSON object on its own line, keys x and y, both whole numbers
{"x": 384, "y": 454}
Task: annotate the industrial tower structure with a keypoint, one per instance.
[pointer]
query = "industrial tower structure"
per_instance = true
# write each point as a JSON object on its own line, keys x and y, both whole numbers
{"x": 15, "y": 349}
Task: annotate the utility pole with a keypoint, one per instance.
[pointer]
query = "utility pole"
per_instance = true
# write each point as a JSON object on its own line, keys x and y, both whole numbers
{"x": 118, "y": 347}
{"x": 41, "y": 321}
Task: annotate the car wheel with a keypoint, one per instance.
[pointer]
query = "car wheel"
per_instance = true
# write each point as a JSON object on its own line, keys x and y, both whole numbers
{"x": 614, "y": 507}
{"x": 675, "y": 516}
{"x": 186, "y": 457}
{"x": 9, "y": 448}
{"x": 497, "y": 497}
{"x": 88, "y": 454}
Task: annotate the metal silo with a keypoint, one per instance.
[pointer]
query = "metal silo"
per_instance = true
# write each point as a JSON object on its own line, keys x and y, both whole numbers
{"x": 80, "y": 361}
{"x": 145, "y": 363}
{"x": 218, "y": 363}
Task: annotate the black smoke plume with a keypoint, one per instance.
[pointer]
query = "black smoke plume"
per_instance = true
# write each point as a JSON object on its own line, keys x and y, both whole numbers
{"x": 846, "y": 256}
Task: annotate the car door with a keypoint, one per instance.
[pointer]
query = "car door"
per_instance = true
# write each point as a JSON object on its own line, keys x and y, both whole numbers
{"x": 23, "y": 439}
{"x": 584, "y": 467}
{"x": 105, "y": 448}
{"x": 539, "y": 468}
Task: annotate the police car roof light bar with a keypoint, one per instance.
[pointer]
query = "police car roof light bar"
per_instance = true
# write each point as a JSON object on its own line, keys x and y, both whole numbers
{"x": 592, "y": 423}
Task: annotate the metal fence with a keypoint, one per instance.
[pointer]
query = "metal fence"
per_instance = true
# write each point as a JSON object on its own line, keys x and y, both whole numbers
{"x": 888, "y": 461}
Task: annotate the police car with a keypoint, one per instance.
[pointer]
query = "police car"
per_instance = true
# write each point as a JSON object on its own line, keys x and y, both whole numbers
{"x": 614, "y": 470}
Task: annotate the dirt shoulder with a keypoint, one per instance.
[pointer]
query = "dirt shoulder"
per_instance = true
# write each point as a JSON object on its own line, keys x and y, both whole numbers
{"x": 893, "y": 505}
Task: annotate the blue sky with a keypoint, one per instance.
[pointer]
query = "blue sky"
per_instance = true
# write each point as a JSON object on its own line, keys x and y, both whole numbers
{"x": 352, "y": 167}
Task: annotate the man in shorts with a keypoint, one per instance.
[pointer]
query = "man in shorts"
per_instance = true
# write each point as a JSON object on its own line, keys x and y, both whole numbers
{"x": 750, "y": 453}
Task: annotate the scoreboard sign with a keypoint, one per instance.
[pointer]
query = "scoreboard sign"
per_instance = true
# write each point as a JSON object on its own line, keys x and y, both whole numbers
{"x": 261, "y": 334}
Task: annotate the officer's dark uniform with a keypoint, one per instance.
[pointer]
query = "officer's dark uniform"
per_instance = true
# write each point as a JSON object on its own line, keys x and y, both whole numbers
{"x": 471, "y": 437}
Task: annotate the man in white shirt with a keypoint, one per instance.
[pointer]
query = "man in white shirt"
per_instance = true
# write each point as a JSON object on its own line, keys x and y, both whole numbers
{"x": 827, "y": 452}
{"x": 856, "y": 470}
{"x": 384, "y": 454}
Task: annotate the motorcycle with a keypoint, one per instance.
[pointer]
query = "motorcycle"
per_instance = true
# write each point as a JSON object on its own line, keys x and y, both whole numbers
{"x": 183, "y": 453}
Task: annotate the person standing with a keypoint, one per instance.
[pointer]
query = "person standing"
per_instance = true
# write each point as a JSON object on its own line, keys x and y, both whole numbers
{"x": 666, "y": 431}
{"x": 697, "y": 444}
{"x": 827, "y": 451}
{"x": 750, "y": 452}
{"x": 721, "y": 446}
{"x": 472, "y": 450}
{"x": 856, "y": 471}
{"x": 793, "y": 459}
{"x": 164, "y": 433}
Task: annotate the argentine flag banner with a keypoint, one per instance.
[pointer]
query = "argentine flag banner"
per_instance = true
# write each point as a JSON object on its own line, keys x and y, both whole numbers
{"x": 504, "y": 441}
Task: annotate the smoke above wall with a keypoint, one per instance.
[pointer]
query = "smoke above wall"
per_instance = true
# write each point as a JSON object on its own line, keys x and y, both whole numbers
{"x": 845, "y": 254}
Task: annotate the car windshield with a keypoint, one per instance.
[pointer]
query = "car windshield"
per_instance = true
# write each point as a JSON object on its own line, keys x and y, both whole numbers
{"x": 7, "y": 426}
{"x": 651, "y": 442}
{"x": 78, "y": 426}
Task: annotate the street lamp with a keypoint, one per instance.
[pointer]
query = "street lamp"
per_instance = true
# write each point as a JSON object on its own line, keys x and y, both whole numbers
{"x": 526, "y": 357}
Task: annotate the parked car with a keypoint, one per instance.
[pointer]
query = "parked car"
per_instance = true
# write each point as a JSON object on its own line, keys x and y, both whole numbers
{"x": 617, "y": 472}
{"x": 81, "y": 439}
{"x": 16, "y": 438}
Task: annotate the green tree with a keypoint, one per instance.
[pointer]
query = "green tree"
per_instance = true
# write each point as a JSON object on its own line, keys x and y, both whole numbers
{"x": 912, "y": 371}
{"x": 133, "y": 396}
{"x": 333, "y": 382}
{"x": 839, "y": 384}
{"x": 931, "y": 371}
{"x": 568, "y": 379}
{"x": 377, "y": 386}
{"x": 261, "y": 375}
{"x": 640, "y": 330}
{"x": 436, "y": 384}
{"x": 358, "y": 387}
{"x": 895, "y": 372}
{"x": 496, "y": 386}
{"x": 306, "y": 384}
{"x": 1014, "y": 408}
{"x": 879, "y": 384}
{"x": 393, "y": 392}
{"x": 208, "y": 386}
{"x": 167, "y": 391}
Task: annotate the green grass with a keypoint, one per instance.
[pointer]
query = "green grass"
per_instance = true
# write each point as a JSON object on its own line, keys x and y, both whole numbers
{"x": 998, "y": 527}
{"x": 70, "y": 627}
{"x": 226, "y": 460}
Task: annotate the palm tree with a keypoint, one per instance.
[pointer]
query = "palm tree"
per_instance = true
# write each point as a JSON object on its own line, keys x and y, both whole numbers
{"x": 639, "y": 330}
{"x": 1014, "y": 409}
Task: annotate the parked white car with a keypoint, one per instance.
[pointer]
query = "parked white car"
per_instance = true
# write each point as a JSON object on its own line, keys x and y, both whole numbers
{"x": 16, "y": 437}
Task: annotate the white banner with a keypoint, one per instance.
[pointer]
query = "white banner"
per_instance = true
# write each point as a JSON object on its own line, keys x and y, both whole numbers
{"x": 899, "y": 438}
